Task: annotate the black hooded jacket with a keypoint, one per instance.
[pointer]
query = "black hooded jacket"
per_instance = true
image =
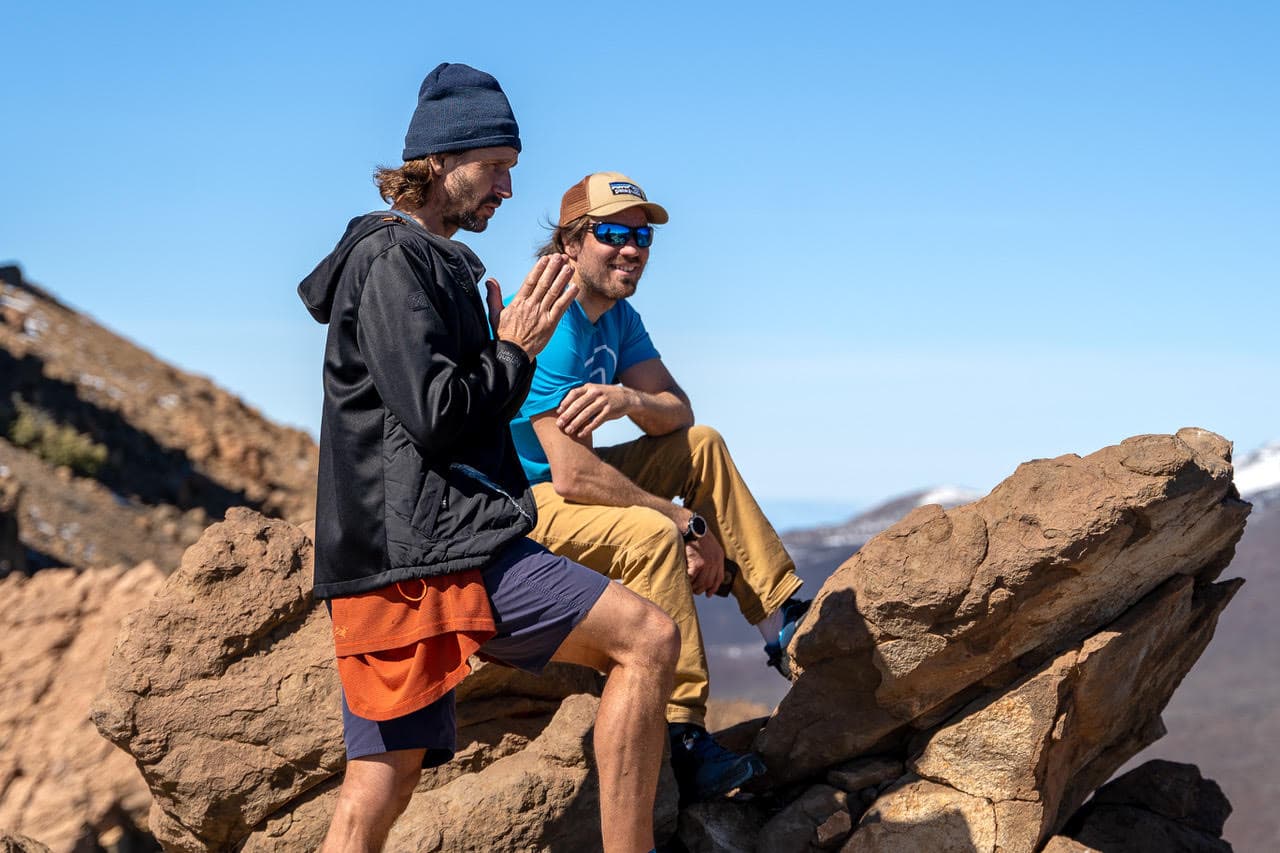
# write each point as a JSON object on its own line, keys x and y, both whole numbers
{"x": 418, "y": 473}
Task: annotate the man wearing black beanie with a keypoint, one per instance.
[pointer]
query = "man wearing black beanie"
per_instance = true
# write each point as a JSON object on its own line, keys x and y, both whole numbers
{"x": 422, "y": 506}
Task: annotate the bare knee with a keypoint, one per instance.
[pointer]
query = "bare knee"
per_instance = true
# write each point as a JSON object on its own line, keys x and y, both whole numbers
{"x": 377, "y": 789}
{"x": 655, "y": 640}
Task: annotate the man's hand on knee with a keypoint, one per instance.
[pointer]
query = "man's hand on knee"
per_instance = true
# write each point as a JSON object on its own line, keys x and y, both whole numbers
{"x": 706, "y": 564}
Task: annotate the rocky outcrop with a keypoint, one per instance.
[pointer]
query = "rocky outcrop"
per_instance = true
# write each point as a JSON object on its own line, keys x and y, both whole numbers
{"x": 60, "y": 781}
{"x": 1160, "y": 807}
{"x": 965, "y": 682}
{"x": 224, "y": 690}
{"x": 947, "y": 603}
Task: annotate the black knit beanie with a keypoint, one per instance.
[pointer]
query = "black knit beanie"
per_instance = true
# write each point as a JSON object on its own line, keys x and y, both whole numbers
{"x": 459, "y": 108}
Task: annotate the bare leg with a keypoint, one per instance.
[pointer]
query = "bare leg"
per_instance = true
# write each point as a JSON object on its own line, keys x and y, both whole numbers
{"x": 636, "y": 644}
{"x": 375, "y": 790}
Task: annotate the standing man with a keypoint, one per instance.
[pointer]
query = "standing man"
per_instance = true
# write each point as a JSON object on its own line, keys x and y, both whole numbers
{"x": 422, "y": 506}
{"x": 611, "y": 508}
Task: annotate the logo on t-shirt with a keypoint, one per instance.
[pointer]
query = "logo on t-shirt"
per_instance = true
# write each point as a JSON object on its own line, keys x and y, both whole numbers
{"x": 602, "y": 365}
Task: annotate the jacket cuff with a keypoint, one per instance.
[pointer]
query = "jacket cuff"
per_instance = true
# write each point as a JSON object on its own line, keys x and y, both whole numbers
{"x": 514, "y": 357}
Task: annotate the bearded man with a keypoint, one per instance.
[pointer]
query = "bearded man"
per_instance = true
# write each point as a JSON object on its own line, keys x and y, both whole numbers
{"x": 422, "y": 505}
{"x": 611, "y": 508}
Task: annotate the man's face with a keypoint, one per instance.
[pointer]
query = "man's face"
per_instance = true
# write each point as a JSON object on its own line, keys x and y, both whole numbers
{"x": 475, "y": 182}
{"x": 610, "y": 272}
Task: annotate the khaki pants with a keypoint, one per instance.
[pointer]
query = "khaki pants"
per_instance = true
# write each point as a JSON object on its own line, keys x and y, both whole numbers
{"x": 643, "y": 549}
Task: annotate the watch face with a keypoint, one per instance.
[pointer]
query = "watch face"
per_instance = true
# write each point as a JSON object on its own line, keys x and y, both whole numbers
{"x": 697, "y": 526}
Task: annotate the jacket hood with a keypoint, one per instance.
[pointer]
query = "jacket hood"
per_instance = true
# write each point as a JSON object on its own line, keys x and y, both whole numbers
{"x": 318, "y": 289}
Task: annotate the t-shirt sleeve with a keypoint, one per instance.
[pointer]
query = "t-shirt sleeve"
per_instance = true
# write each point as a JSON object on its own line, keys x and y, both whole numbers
{"x": 561, "y": 367}
{"x": 634, "y": 345}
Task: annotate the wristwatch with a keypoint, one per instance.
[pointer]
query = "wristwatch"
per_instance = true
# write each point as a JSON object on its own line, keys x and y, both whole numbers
{"x": 696, "y": 529}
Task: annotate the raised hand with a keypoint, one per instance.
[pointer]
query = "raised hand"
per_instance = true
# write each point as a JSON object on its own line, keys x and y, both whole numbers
{"x": 531, "y": 317}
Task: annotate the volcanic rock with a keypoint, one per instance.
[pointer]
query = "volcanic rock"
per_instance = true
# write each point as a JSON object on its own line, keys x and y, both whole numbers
{"x": 947, "y": 604}
{"x": 60, "y": 781}
{"x": 1037, "y": 749}
{"x": 972, "y": 675}
{"x": 225, "y": 692}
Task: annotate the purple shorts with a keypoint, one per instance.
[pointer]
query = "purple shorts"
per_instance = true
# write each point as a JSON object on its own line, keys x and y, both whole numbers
{"x": 537, "y": 599}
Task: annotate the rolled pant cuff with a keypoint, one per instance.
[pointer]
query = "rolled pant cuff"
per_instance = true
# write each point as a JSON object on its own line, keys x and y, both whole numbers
{"x": 683, "y": 714}
{"x": 786, "y": 588}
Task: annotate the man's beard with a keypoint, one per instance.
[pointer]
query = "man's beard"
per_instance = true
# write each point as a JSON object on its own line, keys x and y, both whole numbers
{"x": 606, "y": 287}
{"x": 471, "y": 220}
{"x": 463, "y": 211}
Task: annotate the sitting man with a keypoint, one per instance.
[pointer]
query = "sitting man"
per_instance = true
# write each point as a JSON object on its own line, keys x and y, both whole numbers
{"x": 611, "y": 508}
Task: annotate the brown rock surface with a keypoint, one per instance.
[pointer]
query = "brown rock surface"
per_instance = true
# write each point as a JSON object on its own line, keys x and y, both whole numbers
{"x": 60, "y": 781}
{"x": 943, "y": 604}
{"x": 795, "y": 829}
{"x": 224, "y": 691}
{"x": 541, "y": 795}
{"x": 918, "y": 815}
{"x": 1010, "y": 654}
{"x": 1036, "y": 750}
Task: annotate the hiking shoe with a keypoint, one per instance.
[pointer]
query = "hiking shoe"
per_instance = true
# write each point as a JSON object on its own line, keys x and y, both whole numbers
{"x": 793, "y": 612}
{"x": 704, "y": 769}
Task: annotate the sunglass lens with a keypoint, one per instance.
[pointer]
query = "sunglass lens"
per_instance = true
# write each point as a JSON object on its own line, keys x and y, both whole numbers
{"x": 612, "y": 234}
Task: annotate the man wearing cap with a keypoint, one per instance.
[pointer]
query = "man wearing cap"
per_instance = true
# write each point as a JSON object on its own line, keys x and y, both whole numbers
{"x": 422, "y": 506}
{"x": 611, "y": 508}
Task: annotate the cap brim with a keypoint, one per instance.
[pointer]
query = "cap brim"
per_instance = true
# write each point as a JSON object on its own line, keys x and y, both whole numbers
{"x": 656, "y": 213}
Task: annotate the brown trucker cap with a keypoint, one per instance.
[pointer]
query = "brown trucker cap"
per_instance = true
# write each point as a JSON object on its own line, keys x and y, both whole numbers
{"x": 604, "y": 193}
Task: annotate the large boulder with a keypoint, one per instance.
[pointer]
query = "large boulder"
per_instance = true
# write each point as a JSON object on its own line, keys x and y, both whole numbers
{"x": 964, "y": 683}
{"x": 1032, "y": 753}
{"x": 60, "y": 781}
{"x": 225, "y": 693}
{"x": 945, "y": 605}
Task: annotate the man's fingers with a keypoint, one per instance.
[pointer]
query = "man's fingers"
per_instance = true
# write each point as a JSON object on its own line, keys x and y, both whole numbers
{"x": 493, "y": 296}
{"x": 531, "y": 280}
{"x": 556, "y": 288}
{"x": 563, "y": 302}
{"x": 546, "y": 278}
{"x": 581, "y": 415}
{"x": 569, "y": 399}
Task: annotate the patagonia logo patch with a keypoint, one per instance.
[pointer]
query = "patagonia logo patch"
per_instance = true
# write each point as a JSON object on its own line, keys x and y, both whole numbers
{"x": 418, "y": 301}
{"x": 624, "y": 188}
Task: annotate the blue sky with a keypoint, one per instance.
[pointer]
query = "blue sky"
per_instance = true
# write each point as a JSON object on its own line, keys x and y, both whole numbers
{"x": 911, "y": 243}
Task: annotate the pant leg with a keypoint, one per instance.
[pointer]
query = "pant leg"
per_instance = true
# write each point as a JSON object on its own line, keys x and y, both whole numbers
{"x": 641, "y": 548}
{"x": 695, "y": 465}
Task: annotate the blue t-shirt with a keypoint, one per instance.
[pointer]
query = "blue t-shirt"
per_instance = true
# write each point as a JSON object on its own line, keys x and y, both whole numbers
{"x": 579, "y": 352}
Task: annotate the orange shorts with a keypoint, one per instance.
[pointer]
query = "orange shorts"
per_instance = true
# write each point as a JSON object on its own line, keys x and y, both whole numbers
{"x": 403, "y": 646}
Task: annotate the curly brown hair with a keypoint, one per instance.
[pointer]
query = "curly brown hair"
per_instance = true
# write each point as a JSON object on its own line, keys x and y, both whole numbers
{"x": 565, "y": 235}
{"x": 406, "y": 186}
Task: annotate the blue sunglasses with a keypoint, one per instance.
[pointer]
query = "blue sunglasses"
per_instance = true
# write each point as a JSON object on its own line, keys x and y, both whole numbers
{"x": 613, "y": 234}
